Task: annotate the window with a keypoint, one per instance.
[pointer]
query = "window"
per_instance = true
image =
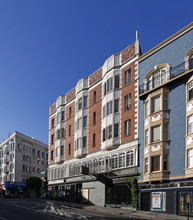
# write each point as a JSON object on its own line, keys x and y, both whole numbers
{"x": 146, "y": 108}
{"x": 165, "y": 101}
{"x": 122, "y": 160}
{"x": 70, "y": 112}
{"x": 57, "y": 151}
{"x": 128, "y": 127}
{"x": 85, "y": 101}
{"x": 58, "y": 134}
{"x": 155, "y": 104}
{"x": 116, "y": 105}
{"x": 94, "y": 118}
{"x": 58, "y": 117}
{"x": 69, "y": 130}
{"x": 63, "y": 115}
{"x": 94, "y": 140}
{"x": 165, "y": 164}
{"x": 114, "y": 161}
{"x": 116, "y": 130}
{"x": 155, "y": 134}
{"x": 128, "y": 76}
{"x": 94, "y": 97}
{"x": 79, "y": 123}
{"x": 104, "y": 111}
{"x": 69, "y": 149}
{"x": 104, "y": 134}
{"x": 155, "y": 163}
{"x": 190, "y": 124}
{"x": 109, "y": 84}
{"x": 165, "y": 132}
{"x": 130, "y": 158}
{"x": 107, "y": 133}
{"x": 190, "y": 90}
{"x": 109, "y": 107}
{"x": 190, "y": 158}
{"x": 157, "y": 78}
{"x": 116, "y": 81}
{"x": 127, "y": 102}
{"x": 146, "y": 137}
{"x": 52, "y": 139}
{"x": 52, "y": 155}
{"x": 53, "y": 123}
{"x": 61, "y": 150}
{"x": 146, "y": 165}
{"x": 79, "y": 103}
{"x": 62, "y": 133}
{"x": 78, "y": 143}
{"x": 84, "y": 141}
{"x": 84, "y": 121}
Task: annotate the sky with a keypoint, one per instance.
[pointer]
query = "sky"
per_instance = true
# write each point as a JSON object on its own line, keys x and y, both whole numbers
{"x": 47, "y": 46}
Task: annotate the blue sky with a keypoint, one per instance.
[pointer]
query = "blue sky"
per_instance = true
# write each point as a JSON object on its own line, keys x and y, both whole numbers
{"x": 46, "y": 46}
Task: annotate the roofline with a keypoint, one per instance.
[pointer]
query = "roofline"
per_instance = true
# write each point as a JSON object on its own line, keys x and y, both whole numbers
{"x": 166, "y": 42}
{"x": 16, "y": 133}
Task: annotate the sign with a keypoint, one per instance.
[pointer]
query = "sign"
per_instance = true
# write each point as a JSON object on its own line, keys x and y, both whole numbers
{"x": 156, "y": 200}
{"x": 43, "y": 172}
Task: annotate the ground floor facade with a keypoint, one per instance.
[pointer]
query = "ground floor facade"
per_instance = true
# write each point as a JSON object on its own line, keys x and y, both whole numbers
{"x": 171, "y": 198}
{"x": 100, "y": 178}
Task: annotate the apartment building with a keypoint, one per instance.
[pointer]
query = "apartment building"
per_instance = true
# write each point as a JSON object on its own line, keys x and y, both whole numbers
{"x": 22, "y": 157}
{"x": 93, "y": 133}
{"x": 165, "y": 124}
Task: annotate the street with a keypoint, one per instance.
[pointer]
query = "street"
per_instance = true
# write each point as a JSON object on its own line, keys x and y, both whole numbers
{"x": 30, "y": 209}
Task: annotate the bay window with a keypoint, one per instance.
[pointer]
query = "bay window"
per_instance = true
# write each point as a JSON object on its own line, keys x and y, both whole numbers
{"x": 155, "y": 163}
{"x": 155, "y": 134}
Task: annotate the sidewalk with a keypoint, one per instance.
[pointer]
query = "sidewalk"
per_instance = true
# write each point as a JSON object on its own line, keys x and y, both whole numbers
{"x": 124, "y": 211}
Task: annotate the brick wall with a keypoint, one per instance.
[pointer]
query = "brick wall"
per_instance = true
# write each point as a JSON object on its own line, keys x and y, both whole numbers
{"x": 95, "y": 128}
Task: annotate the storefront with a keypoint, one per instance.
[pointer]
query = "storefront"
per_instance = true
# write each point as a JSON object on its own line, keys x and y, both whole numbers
{"x": 172, "y": 200}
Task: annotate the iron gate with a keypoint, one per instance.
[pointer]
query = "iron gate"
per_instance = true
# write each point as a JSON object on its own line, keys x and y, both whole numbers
{"x": 185, "y": 203}
{"x": 118, "y": 195}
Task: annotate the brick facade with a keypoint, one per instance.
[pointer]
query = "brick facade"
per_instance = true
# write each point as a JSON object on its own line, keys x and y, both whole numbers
{"x": 95, "y": 107}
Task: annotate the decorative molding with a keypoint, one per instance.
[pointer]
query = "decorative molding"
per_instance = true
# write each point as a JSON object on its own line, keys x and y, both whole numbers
{"x": 155, "y": 147}
{"x": 146, "y": 150}
{"x": 156, "y": 117}
{"x": 189, "y": 106}
{"x": 166, "y": 115}
{"x": 189, "y": 139}
{"x": 166, "y": 146}
{"x": 146, "y": 122}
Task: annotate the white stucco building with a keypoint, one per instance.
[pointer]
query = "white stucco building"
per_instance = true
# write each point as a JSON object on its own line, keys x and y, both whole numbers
{"x": 22, "y": 157}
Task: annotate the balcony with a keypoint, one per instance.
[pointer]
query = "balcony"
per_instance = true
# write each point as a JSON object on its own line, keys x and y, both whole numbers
{"x": 175, "y": 72}
{"x": 6, "y": 150}
{"x": 6, "y": 160}
{"x": 6, "y": 169}
{"x": 81, "y": 152}
{"x": 59, "y": 159}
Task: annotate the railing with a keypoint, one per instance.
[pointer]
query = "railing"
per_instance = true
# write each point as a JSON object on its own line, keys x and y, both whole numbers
{"x": 174, "y": 72}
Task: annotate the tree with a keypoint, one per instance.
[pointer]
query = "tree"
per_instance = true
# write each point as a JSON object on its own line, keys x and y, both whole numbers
{"x": 34, "y": 184}
{"x": 132, "y": 181}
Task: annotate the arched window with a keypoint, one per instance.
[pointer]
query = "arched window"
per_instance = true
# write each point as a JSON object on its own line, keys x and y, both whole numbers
{"x": 189, "y": 59}
{"x": 107, "y": 163}
{"x": 122, "y": 159}
{"x": 114, "y": 161}
{"x": 157, "y": 76}
{"x": 101, "y": 164}
{"x": 130, "y": 158}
